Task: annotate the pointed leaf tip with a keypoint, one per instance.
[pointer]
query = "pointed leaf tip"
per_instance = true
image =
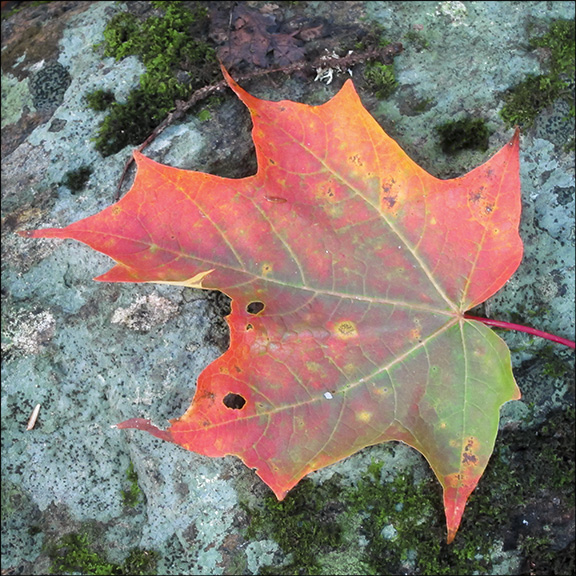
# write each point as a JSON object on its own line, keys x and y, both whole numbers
{"x": 226, "y": 75}
{"x": 515, "y": 141}
{"x": 453, "y": 519}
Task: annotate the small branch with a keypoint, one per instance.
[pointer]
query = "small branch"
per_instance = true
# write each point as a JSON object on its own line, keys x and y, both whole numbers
{"x": 386, "y": 54}
{"x": 520, "y": 328}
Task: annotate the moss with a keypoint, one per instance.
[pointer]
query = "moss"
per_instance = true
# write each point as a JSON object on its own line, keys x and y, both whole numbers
{"x": 417, "y": 40}
{"x": 99, "y": 100}
{"x": 467, "y": 133}
{"x": 374, "y": 35}
{"x": 75, "y": 553}
{"x": 381, "y": 78}
{"x": 18, "y": 8}
{"x": 525, "y": 101}
{"x": 209, "y": 105}
{"x": 545, "y": 560}
{"x": 15, "y": 501}
{"x": 76, "y": 180}
{"x": 561, "y": 41}
{"x": 302, "y": 525}
{"x": 555, "y": 366}
{"x": 34, "y": 530}
{"x": 177, "y": 63}
{"x": 535, "y": 470}
{"x": 140, "y": 562}
{"x": 132, "y": 496}
{"x": 403, "y": 522}
{"x": 422, "y": 105}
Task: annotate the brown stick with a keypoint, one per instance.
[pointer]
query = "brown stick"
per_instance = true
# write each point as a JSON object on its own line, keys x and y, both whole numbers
{"x": 385, "y": 54}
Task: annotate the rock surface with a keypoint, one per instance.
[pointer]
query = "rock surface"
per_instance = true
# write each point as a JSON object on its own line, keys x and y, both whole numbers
{"x": 94, "y": 354}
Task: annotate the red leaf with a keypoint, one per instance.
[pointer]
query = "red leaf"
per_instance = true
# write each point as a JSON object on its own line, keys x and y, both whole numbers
{"x": 350, "y": 269}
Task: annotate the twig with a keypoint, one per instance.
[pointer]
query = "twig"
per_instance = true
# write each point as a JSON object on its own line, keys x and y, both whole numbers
{"x": 385, "y": 54}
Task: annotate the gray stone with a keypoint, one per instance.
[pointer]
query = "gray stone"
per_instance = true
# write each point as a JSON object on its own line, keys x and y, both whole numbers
{"x": 94, "y": 354}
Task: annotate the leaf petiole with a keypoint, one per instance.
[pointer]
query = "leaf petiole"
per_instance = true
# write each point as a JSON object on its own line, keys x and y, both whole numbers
{"x": 520, "y": 328}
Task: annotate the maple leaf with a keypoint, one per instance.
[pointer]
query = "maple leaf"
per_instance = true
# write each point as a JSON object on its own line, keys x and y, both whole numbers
{"x": 350, "y": 269}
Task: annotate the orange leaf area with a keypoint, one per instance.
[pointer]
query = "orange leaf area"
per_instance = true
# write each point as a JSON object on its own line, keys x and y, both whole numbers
{"x": 350, "y": 269}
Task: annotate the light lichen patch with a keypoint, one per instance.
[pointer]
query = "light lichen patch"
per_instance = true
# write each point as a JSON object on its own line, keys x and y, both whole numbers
{"x": 145, "y": 313}
{"x": 28, "y": 333}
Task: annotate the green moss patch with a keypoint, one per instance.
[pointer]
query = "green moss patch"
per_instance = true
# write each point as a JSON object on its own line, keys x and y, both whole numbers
{"x": 525, "y": 101}
{"x": 467, "y": 133}
{"x": 100, "y": 100}
{"x": 303, "y": 525}
{"x": 177, "y": 63}
{"x": 76, "y": 553}
{"x": 132, "y": 495}
{"x": 76, "y": 180}
{"x": 381, "y": 79}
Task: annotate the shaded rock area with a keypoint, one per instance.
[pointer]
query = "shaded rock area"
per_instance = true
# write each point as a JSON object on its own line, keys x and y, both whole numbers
{"x": 94, "y": 354}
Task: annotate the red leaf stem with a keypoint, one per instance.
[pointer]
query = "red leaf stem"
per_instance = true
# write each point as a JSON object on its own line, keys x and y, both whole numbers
{"x": 520, "y": 328}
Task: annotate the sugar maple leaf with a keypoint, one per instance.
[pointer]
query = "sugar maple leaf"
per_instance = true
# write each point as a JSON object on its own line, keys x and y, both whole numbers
{"x": 350, "y": 269}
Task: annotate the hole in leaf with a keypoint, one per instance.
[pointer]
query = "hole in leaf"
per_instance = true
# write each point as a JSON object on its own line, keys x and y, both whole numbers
{"x": 249, "y": 327}
{"x": 255, "y": 307}
{"x": 234, "y": 401}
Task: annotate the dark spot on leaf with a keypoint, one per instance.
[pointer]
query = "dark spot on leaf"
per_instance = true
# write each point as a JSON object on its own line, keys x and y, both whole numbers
{"x": 469, "y": 458}
{"x": 255, "y": 307}
{"x": 234, "y": 401}
{"x": 249, "y": 327}
{"x": 477, "y": 195}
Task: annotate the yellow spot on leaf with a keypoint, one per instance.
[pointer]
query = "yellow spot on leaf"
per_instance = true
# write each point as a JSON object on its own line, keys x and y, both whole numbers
{"x": 364, "y": 416}
{"x": 414, "y": 334}
{"x": 349, "y": 368}
{"x": 346, "y": 329}
{"x": 316, "y": 368}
